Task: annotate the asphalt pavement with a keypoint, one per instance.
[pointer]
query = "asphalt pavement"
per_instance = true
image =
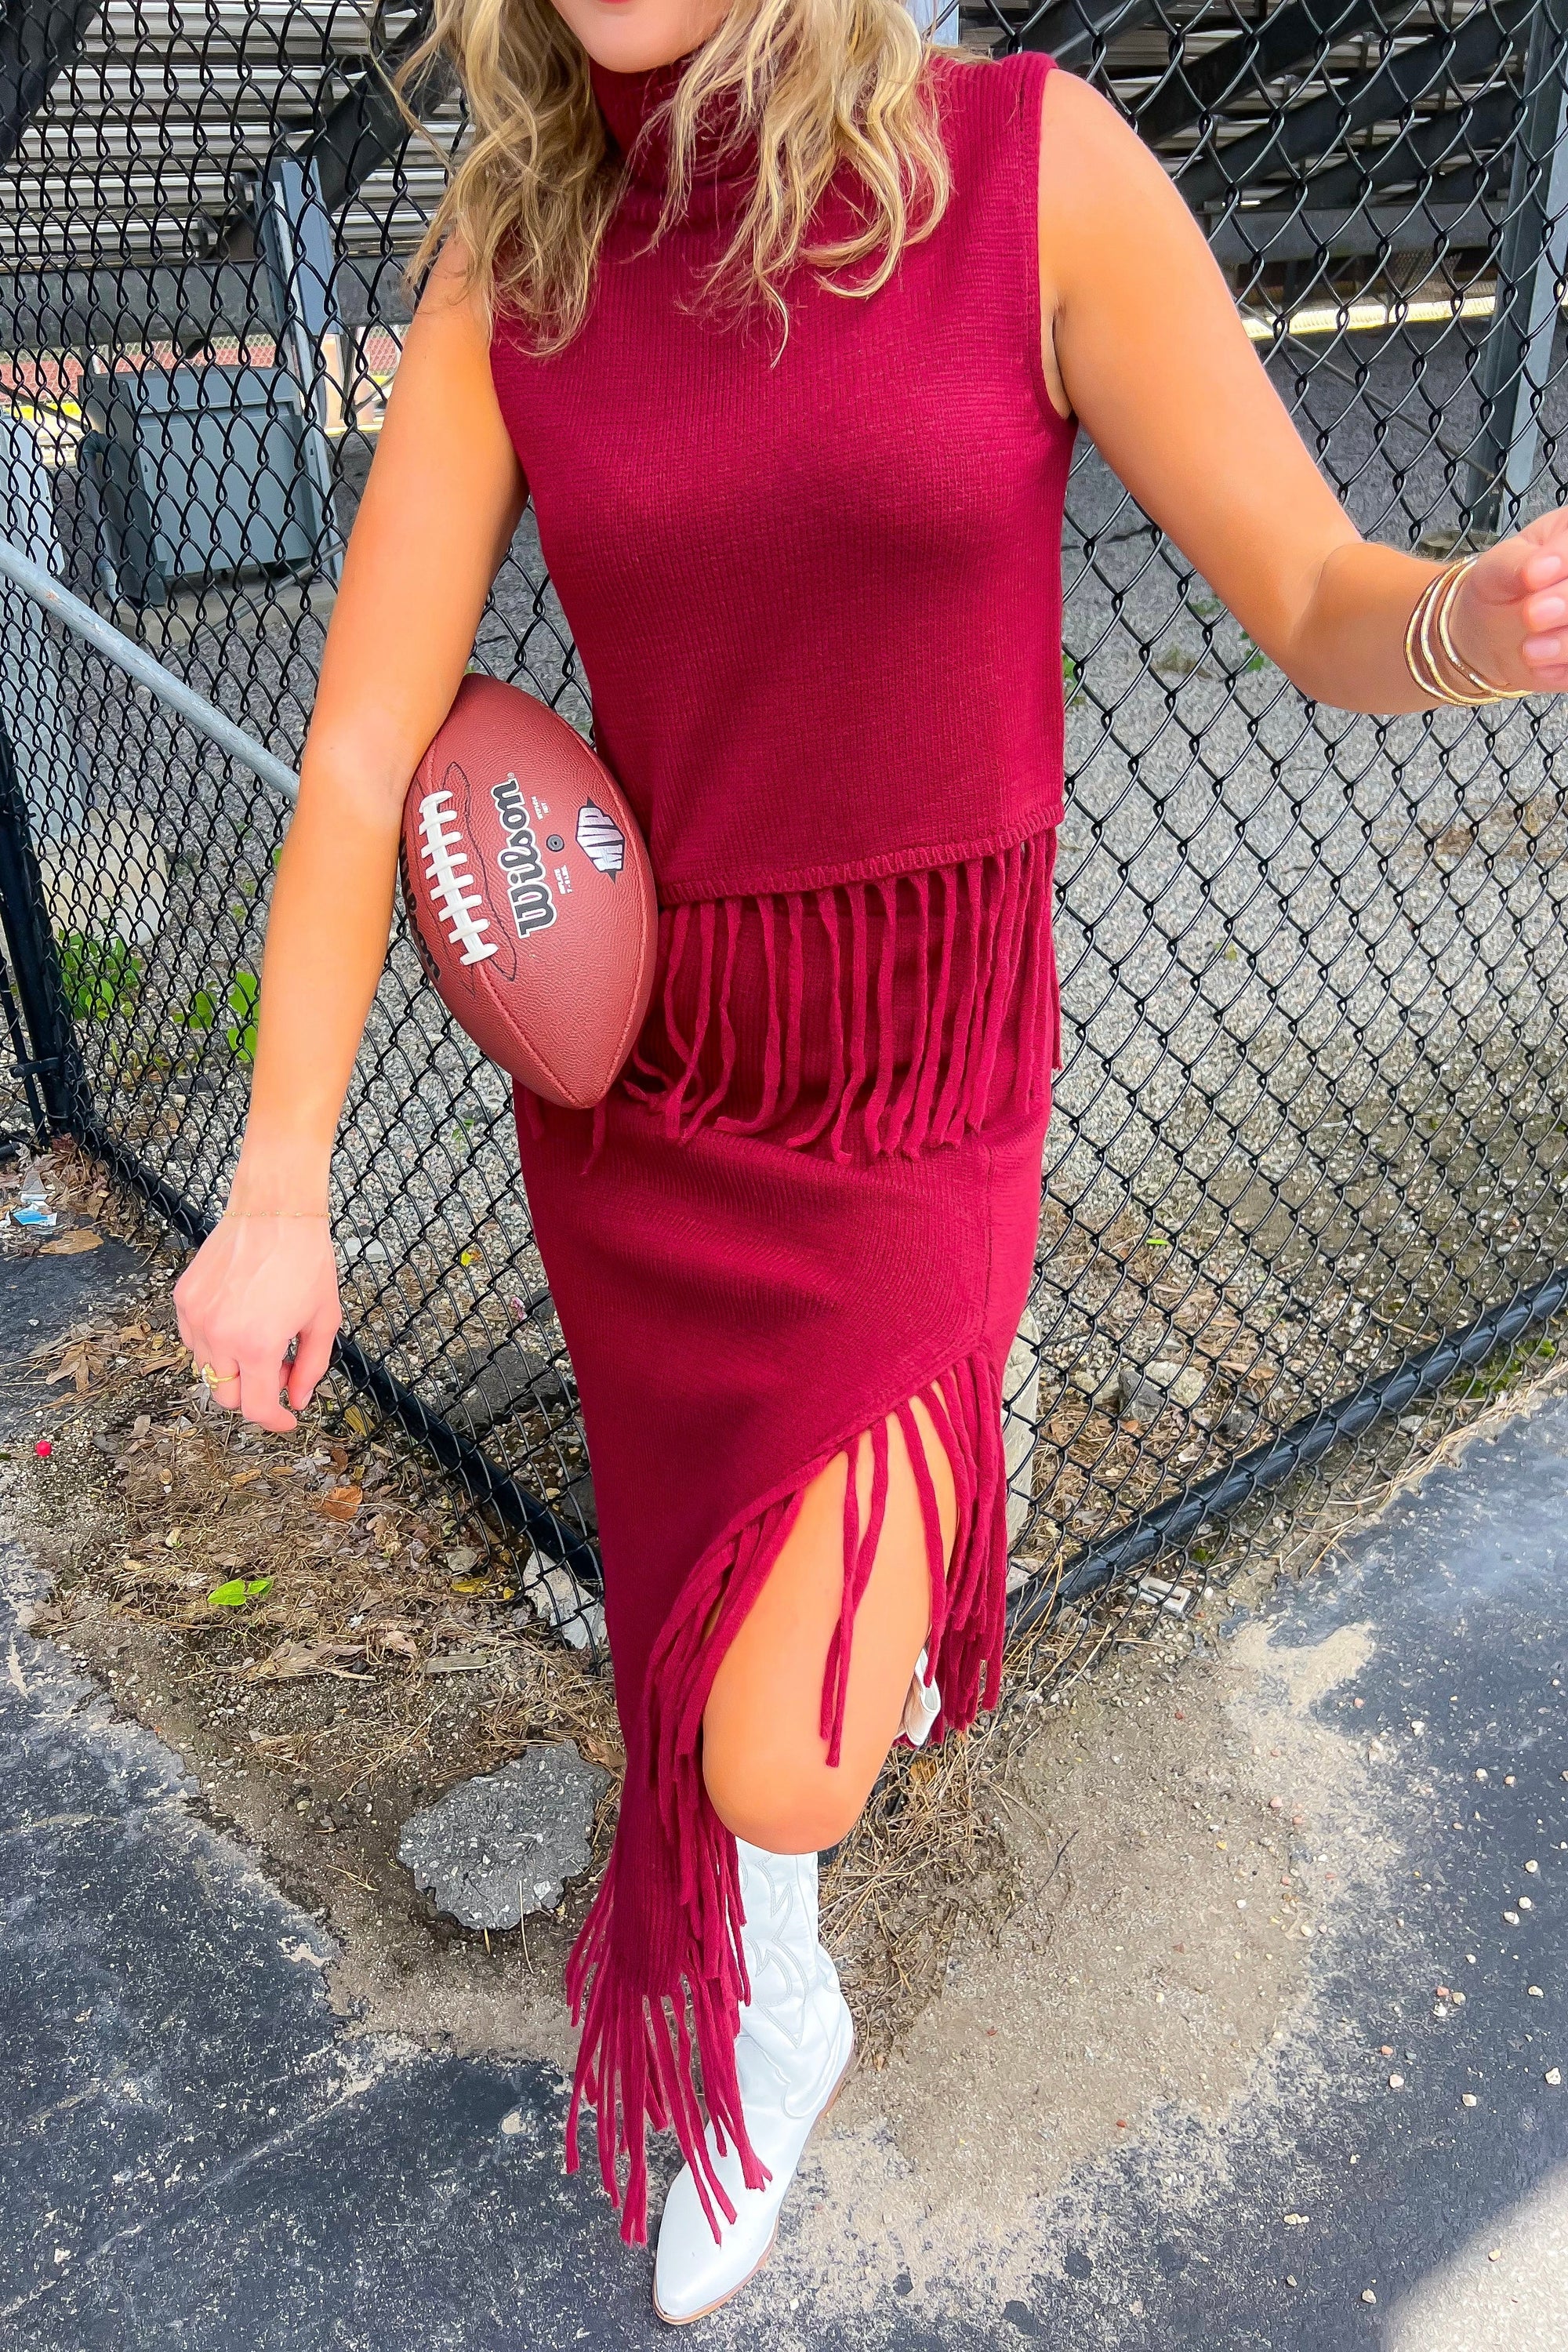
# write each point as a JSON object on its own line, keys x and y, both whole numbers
{"x": 197, "y": 2153}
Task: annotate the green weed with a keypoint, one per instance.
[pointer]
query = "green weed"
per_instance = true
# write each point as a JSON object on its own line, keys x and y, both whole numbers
{"x": 101, "y": 977}
{"x": 205, "y": 1012}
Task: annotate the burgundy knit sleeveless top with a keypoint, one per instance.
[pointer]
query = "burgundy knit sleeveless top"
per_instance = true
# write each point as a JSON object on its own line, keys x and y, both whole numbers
{"x": 816, "y": 593}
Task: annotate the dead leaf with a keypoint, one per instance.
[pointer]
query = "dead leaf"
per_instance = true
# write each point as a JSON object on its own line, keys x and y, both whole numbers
{"x": 78, "y": 1364}
{"x": 343, "y": 1502}
{"x": 460, "y": 1661}
{"x": 243, "y": 1477}
{"x": 394, "y": 1638}
{"x": 292, "y": 1659}
{"x": 72, "y": 1245}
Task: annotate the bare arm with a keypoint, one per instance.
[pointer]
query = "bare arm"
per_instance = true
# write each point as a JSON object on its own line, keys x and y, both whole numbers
{"x": 1143, "y": 341}
{"x": 438, "y": 512}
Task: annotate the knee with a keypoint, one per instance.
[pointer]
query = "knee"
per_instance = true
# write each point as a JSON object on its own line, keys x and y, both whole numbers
{"x": 804, "y": 1814}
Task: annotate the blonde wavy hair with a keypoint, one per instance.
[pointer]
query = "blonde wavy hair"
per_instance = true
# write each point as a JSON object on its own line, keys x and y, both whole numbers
{"x": 820, "y": 82}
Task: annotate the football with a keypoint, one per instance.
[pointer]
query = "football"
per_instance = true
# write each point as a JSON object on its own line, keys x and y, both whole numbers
{"x": 530, "y": 893}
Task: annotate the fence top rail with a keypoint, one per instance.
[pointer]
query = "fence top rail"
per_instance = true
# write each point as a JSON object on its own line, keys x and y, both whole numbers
{"x": 205, "y": 716}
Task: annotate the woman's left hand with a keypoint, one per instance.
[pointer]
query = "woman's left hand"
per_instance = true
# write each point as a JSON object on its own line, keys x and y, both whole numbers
{"x": 1509, "y": 620}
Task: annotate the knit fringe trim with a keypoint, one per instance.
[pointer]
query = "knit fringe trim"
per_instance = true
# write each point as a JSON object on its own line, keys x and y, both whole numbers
{"x": 901, "y": 1077}
{"x": 655, "y": 2019}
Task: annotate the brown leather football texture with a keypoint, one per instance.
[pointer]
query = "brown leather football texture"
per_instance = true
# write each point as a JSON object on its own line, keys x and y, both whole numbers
{"x": 530, "y": 893}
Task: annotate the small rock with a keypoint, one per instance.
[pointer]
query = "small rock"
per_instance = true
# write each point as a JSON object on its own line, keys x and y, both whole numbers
{"x": 1524, "y": 1903}
{"x": 1458, "y": 1999}
{"x": 1511, "y": 1918}
{"x": 1532, "y": 1866}
{"x": 518, "y": 1373}
{"x": 355, "y": 1247}
{"x": 1239, "y": 1421}
{"x": 1397, "y": 2082}
{"x": 1554, "y": 2076}
{"x": 1147, "y": 1388}
{"x": 560, "y": 1601}
{"x": 1142, "y": 1399}
{"x": 505, "y": 1842}
{"x": 1467, "y": 2098}
{"x": 1481, "y": 1772}
{"x": 1535, "y": 1992}
{"x": 1367, "y": 2295}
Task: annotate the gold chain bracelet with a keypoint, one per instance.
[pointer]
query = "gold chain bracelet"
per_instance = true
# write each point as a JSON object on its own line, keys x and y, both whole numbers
{"x": 309, "y": 1213}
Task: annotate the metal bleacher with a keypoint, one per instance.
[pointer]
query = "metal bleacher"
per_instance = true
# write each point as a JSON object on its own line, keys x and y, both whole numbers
{"x": 230, "y": 182}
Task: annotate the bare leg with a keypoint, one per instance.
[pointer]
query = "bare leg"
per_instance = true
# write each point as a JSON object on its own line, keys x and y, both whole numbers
{"x": 764, "y": 1755}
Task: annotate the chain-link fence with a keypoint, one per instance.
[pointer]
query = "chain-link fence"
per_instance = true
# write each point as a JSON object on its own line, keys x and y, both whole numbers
{"x": 1307, "y": 1154}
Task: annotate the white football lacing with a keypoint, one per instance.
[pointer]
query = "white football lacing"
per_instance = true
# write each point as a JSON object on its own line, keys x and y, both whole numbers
{"x": 452, "y": 890}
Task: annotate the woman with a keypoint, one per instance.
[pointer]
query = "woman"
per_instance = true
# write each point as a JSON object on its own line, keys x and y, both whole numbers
{"x": 786, "y": 323}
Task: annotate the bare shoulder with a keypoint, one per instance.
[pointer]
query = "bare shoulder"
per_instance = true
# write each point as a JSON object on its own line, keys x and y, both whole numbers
{"x": 1098, "y": 180}
{"x": 443, "y": 395}
{"x": 449, "y": 300}
{"x": 1116, "y": 238}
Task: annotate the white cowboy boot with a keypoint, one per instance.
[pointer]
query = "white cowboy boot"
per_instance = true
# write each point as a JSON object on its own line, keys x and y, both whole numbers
{"x": 921, "y": 1707}
{"x": 793, "y": 2053}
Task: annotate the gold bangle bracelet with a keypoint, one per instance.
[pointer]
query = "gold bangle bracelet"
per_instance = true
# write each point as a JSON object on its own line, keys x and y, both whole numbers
{"x": 1428, "y": 672}
{"x": 1446, "y": 587}
{"x": 1446, "y": 639}
{"x": 1433, "y": 611}
{"x": 1419, "y": 658}
{"x": 1410, "y": 628}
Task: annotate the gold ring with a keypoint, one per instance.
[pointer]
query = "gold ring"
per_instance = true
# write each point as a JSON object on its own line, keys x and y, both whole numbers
{"x": 211, "y": 1380}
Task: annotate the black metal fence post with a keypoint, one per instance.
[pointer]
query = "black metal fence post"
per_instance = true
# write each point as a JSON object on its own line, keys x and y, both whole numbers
{"x": 1531, "y": 261}
{"x": 48, "y": 1062}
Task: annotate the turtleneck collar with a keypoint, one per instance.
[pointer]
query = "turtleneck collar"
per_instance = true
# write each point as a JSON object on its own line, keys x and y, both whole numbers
{"x": 627, "y": 102}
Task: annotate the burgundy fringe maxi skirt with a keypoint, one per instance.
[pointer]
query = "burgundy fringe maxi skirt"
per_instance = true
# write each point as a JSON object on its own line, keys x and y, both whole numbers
{"x": 813, "y": 1196}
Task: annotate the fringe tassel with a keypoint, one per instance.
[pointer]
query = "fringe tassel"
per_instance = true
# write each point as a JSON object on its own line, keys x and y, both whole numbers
{"x": 651, "y": 1954}
{"x": 637, "y": 1964}
{"x": 916, "y": 975}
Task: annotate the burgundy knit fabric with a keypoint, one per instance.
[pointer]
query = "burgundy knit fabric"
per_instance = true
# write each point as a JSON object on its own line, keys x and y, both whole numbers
{"x": 817, "y": 594}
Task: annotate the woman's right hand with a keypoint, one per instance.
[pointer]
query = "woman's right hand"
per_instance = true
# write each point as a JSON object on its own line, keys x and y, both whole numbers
{"x": 256, "y": 1284}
